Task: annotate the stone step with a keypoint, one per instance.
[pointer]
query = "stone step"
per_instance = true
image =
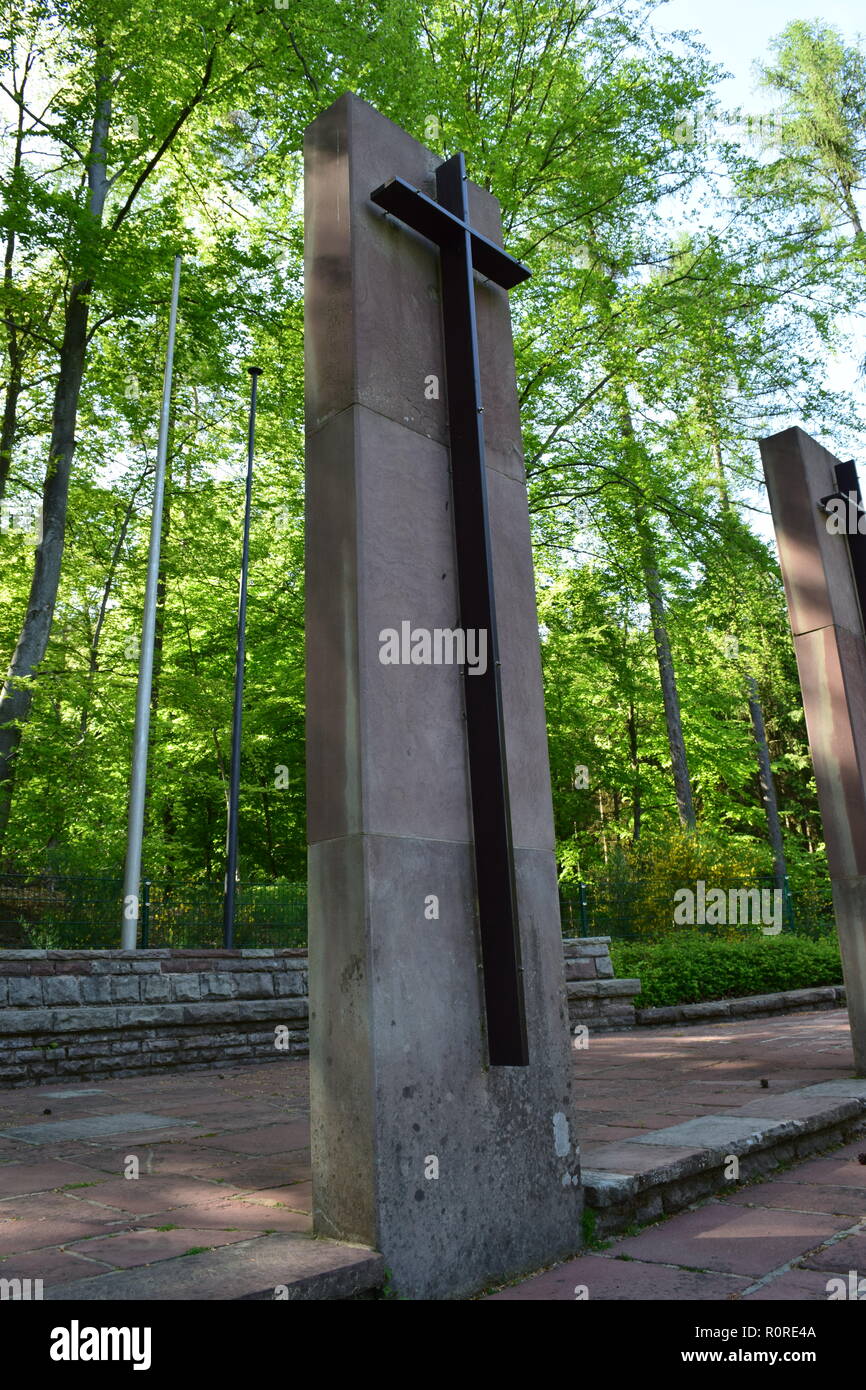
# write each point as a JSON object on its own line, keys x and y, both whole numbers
{"x": 638, "y": 1180}
{"x": 299, "y": 1266}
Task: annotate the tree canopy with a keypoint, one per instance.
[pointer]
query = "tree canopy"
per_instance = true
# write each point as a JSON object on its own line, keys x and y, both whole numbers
{"x": 688, "y": 293}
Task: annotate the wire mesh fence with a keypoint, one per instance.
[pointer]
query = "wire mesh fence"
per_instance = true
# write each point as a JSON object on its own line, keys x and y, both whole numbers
{"x": 628, "y": 908}
{"x": 83, "y": 911}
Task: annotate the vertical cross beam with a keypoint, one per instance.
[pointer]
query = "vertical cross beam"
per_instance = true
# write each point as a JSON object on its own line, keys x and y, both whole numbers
{"x": 460, "y": 248}
{"x": 849, "y": 485}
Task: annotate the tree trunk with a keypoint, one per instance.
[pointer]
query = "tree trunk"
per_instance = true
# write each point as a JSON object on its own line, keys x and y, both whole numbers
{"x": 93, "y": 651}
{"x": 664, "y": 656}
{"x": 10, "y": 415}
{"x": 14, "y": 346}
{"x": 635, "y": 763}
{"x": 768, "y": 785}
{"x": 670, "y": 694}
{"x": 268, "y": 828}
{"x": 17, "y": 693}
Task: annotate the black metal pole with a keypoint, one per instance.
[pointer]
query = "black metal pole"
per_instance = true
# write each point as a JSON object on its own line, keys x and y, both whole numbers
{"x": 237, "y": 717}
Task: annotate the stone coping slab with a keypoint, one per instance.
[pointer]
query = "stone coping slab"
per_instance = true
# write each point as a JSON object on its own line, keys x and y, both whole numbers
{"x": 83, "y": 1018}
{"x": 156, "y": 953}
{"x": 616, "y": 1174}
{"x": 300, "y": 1267}
{"x": 745, "y": 1006}
{"x": 602, "y": 989}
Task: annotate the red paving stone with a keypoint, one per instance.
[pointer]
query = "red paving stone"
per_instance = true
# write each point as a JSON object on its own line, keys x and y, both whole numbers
{"x": 244, "y": 1163}
{"x": 274, "y": 1138}
{"x": 299, "y": 1196}
{"x": 51, "y": 1266}
{"x": 732, "y": 1240}
{"x": 843, "y": 1255}
{"x": 239, "y": 1215}
{"x": 143, "y": 1247}
{"x": 836, "y": 1170}
{"x": 17, "y": 1178}
{"x": 796, "y": 1286}
{"x": 801, "y": 1196}
{"x": 17, "y": 1237}
{"x": 146, "y": 1194}
{"x": 56, "y": 1206}
{"x": 591, "y": 1278}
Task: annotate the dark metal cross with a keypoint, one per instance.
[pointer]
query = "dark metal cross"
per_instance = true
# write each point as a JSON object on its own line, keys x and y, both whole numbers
{"x": 849, "y": 483}
{"x": 461, "y": 251}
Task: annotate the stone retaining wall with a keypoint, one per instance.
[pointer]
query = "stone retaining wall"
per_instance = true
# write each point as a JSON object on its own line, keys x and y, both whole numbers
{"x": 88, "y": 1014}
{"x": 85, "y": 1014}
{"x": 595, "y": 999}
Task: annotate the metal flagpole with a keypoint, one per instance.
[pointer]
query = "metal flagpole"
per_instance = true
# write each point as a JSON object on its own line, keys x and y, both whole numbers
{"x": 237, "y": 717}
{"x": 138, "y": 781}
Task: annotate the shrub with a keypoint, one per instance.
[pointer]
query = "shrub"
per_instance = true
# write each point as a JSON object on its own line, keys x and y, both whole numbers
{"x": 634, "y": 896}
{"x": 689, "y": 968}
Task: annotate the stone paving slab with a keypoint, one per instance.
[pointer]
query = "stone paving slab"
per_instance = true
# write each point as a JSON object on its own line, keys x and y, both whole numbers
{"x": 146, "y": 1194}
{"x": 801, "y": 1196}
{"x": 21, "y": 1237}
{"x": 834, "y": 1169}
{"x": 796, "y": 1286}
{"x": 842, "y": 1256}
{"x": 233, "y": 1152}
{"x": 732, "y": 1240}
{"x": 92, "y": 1127}
{"x": 299, "y": 1196}
{"x": 41, "y": 1175}
{"x": 240, "y": 1215}
{"x": 127, "y": 1249}
{"x": 593, "y": 1277}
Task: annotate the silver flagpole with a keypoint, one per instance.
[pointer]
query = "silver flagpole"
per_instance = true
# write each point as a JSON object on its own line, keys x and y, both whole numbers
{"x": 138, "y": 781}
{"x": 238, "y": 713}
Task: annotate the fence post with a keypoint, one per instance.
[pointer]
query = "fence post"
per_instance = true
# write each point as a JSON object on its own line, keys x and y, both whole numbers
{"x": 788, "y": 904}
{"x": 145, "y": 914}
{"x": 584, "y": 921}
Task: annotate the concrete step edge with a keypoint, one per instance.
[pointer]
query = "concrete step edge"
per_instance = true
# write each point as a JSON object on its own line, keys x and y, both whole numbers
{"x": 300, "y": 1267}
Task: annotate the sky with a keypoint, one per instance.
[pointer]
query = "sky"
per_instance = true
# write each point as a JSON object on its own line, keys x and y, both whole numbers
{"x": 737, "y": 33}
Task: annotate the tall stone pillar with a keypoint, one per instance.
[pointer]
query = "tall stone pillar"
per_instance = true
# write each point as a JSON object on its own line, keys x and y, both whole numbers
{"x": 831, "y": 658}
{"x": 458, "y": 1171}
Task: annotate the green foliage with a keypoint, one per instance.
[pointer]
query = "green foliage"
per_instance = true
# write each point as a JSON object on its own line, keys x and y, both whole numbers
{"x": 635, "y": 889}
{"x": 649, "y": 360}
{"x": 690, "y": 968}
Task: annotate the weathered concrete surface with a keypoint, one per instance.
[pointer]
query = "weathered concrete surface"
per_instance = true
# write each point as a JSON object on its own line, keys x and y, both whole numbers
{"x": 831, "y": 659}
{"x": 399, "y": 1075}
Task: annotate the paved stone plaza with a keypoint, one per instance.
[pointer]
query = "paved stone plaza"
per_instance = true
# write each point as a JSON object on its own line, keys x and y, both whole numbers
{"x": 224, "y": 1162}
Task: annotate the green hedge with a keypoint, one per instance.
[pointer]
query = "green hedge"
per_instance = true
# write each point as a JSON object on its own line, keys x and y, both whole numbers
{"x": 690, "y": 968}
